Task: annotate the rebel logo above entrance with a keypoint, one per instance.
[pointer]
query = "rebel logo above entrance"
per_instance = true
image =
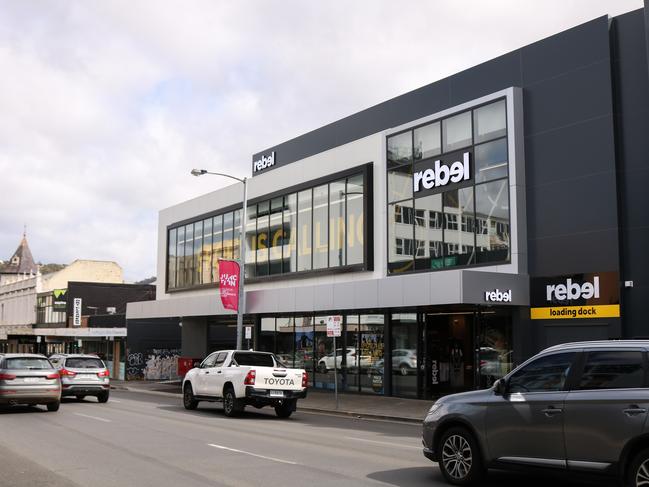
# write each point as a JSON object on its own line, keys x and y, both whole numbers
{"x": 573, "y": 290}
{"x": 441, "y": 174}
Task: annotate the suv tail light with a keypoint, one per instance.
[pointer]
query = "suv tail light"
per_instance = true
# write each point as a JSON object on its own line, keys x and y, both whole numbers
{"x": 67, "y": 373}
{"x": 53, "y": 376}
{"x": 250, "y": 378}
{"x": 7, "y": 376}
{"x": 305, "y": 379}
{"x": 103, "y": 373}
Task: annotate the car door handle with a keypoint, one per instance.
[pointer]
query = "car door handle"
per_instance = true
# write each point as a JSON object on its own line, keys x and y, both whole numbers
{"x": 551, "y": 411}
{"x": 207, "y": 372}
{"x": 634, "y": 410}
{"x": 218, "y": 371}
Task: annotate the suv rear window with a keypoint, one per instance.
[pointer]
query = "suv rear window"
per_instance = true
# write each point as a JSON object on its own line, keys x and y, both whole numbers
{"x": 613, "y": 370}
{"x": 84, "y": 363}
{"x": 254, "y": 359}
{"x": 27, "y": 363}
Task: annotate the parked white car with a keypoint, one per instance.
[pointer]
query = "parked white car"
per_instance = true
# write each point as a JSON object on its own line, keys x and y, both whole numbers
{"x": 242, "y": 378}
{"x": 326, "y": 363}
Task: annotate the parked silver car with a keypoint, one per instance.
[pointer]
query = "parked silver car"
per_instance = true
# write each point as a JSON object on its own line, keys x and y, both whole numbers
{"x": 83, "y": 375}
{"x": 573, "y": 407}
{"x": 29, "y": 379}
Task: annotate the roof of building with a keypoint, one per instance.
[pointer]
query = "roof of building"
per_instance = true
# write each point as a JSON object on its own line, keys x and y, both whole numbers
{"x": 21, "y": 262}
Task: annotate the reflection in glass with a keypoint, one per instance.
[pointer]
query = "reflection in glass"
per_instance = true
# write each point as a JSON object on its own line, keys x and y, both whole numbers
{"x": 457, "y": 132}
{"x": 337, "y": 224}
{"x": 320, "y": 227}
{"x": 251, "y": 240}
{"x": 228, "y": 235}
{"x": 496, "y": 347}
{"x": 206, "y": 252}
{"x": 324, "y": 377}
{"x": 198, "y": 246}
{"x": 492, "y": 221}
{"x": 404, "y": 341}
{"x": 171, "y": 268}
{"x": 266, "y": 340}
{"x": 429, "y": 232}
{"x": 284, "y": 340}
{"x": 276, "y": 236}
{"x": 290, "y": 233}
{"x": 263, "y": 239}
{"x": 491, "y": 160}
{"x": 459, "y": 220}
{"x": 304, "y": 342}
{"x": 180, "y": 253}
{"x": 304, "y": 221}
{"x": 400, "y": 237}
{"x": 355, "y": 220}
{"x": 428, "y": 141}
{"x": 399, "y": 182}
{"x": 490, "y": 121}
{"x": 189, "y": 254}
{"x": 371, "y": 353}
{"x": 236, "y": 239}
{"x": 400, "y": 148}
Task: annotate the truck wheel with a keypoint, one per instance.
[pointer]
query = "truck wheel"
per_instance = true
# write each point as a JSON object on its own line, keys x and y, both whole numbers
{"x": 286, "y": 409}
{"x": 189, "y": 401}
{"x": 231, "y": 405}
{"x": 53, "y": 406}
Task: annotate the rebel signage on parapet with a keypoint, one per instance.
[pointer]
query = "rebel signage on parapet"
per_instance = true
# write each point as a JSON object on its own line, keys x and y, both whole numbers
{"x": 592, "y": 295}
{"x": 448, "y": 169}
{"x": 263, "y": 163}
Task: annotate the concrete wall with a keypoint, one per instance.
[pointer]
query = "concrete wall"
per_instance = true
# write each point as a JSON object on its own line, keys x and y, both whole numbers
{"x": 84, "y": 271}
{"x": 18, "y": 301}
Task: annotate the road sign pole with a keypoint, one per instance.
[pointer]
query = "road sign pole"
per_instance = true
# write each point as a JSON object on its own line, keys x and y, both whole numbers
{"x": 335, "y": 374}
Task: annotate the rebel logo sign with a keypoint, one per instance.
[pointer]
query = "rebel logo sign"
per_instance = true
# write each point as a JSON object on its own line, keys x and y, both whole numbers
{"x": 449, "y": 169}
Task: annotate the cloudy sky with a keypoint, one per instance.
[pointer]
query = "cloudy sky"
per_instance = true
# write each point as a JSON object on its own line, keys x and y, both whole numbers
{"x": 105, "y": 106}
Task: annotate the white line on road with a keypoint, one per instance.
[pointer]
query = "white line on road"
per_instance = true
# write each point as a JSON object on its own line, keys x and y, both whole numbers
{"x": 114, "y": 400}
{"x": 383, "y": 443}
{"x": 220, "y": 447}
{"x": 94, "y": 417}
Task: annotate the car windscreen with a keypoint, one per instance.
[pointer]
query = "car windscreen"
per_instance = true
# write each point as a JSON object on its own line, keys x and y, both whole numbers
{"x": 254, "y": 359}
{"x": 84, "y": 363}
{"x": 27, "y": 363}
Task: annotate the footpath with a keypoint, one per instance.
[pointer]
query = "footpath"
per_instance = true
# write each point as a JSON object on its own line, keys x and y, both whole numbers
{"x": 356, "y": 405}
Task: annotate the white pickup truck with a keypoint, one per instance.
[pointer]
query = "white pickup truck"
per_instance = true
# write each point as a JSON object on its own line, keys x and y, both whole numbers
{"x": 240, "y": 378}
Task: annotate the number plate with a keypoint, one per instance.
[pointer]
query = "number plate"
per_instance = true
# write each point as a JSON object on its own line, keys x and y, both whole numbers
{"x": 32, "y": 379}
{"x": 86, "y": 376}
{"x": 276, "y": 393}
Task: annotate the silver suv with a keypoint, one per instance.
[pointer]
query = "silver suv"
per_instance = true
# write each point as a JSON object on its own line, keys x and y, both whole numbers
{"x": 573, "y": 407}
{"x": 29, "y": 379}
{"x": 83, "y": 375}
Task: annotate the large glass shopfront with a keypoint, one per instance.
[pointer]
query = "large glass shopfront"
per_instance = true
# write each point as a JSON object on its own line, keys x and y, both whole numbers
{"x": 431, "y": 353}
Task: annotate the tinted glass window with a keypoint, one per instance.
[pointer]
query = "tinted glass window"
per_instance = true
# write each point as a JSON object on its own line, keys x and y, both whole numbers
{"x": 84, "y": 363}
{"x": 544, "y": 374}
{"x": 255, "y": 359}
{"x": 209, "y": 361}
{"x": 27, "y": 363}
{"x": 612, "y": 370}
{"x": 220, "y": 358}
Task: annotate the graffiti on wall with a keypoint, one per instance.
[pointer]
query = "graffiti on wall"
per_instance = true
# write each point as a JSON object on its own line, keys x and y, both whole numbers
{"x": 153, "y": 364}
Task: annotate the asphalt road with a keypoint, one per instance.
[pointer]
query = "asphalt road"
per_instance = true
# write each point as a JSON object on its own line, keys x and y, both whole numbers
{"x": 143, "y": 440}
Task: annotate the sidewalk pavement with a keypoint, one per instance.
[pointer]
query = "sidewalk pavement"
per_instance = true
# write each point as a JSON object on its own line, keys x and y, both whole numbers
{"x": 357, "y": 405}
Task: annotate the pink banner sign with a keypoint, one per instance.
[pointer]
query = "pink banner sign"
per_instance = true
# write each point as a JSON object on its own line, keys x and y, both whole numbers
{"x": 229, "y": 284}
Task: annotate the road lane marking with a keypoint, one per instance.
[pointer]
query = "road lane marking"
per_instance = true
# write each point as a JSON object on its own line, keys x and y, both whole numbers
{"x": 94, "y": 417}
{"x": 114, "y": 400}
{"x": 383, "y": 443}
{"x": 221, "y": 447}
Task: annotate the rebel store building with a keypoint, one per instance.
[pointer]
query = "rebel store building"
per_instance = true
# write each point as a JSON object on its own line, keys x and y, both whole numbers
{"x": 457, "y": 229}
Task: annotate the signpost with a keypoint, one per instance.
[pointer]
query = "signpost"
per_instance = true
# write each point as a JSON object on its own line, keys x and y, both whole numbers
{"x": 334, "y": 327}
{"x": 76, "y": 312}
{"x": 248, "y": 330}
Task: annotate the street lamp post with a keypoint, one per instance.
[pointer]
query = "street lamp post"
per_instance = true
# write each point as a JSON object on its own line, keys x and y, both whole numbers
{"x": 242, "y": 258}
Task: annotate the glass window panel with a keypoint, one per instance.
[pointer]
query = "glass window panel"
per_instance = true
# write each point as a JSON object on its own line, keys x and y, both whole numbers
{"x": 429, "y": 232}
{"x": 459, "y": 237}
{"x": 189, "y": 254}
{"x": 491, "y": 160}
{"x": 198, "y": 247}
{"x": 236, "y": 239}
{"x": 263, "y": 240}
{"x": 371, "y": 353}
{"x": 284, "y": 340}
{"x": 304, "y": 221}
{"x": 355, "y": 224}
{"x": 304, "y": 343}
{"x": 320, "y": 226}
{"x": 404, "y": 343}
{"x": 337, "y": 257}
{"x": 496, "y": 347}
{"x": 489, "y": 121}
{"x": 266, "y": 341}
{"x": 492, "y": 221}
{"x": 276, "y": 235}
{"x": 400, "y": 148}
{"x": 171, "y": 265}
{"x": 324, "y": 377}
{"x": 544, "y": 374}
{"x": 217, "y": 246}
{"x": 399, "y": 182}
{"x": 428, "y": 141}
{"x": 206, "y": 252}
{"x": 400, "y": 238}
{"x": 251, "y": 240}
{"x": 457, "y": 132}
{"x": 613, "y": 370}
{"x": 228, "y": 235}
{"x": 180, "y": 252}
{"x": 289, "y": 222}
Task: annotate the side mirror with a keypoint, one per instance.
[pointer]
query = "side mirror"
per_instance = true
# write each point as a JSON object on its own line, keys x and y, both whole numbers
{"x": 500, "y": 387}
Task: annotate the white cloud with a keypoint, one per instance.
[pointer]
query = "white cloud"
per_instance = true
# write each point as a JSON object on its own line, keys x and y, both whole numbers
{"x": 105, "y": 106}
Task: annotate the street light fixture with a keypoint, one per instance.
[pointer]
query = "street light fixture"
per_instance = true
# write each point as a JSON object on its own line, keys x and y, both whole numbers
{"x": 242, "y": 259}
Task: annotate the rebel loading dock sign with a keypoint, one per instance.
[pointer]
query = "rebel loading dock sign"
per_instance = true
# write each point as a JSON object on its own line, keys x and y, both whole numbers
{"x": 593, "y": 295}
